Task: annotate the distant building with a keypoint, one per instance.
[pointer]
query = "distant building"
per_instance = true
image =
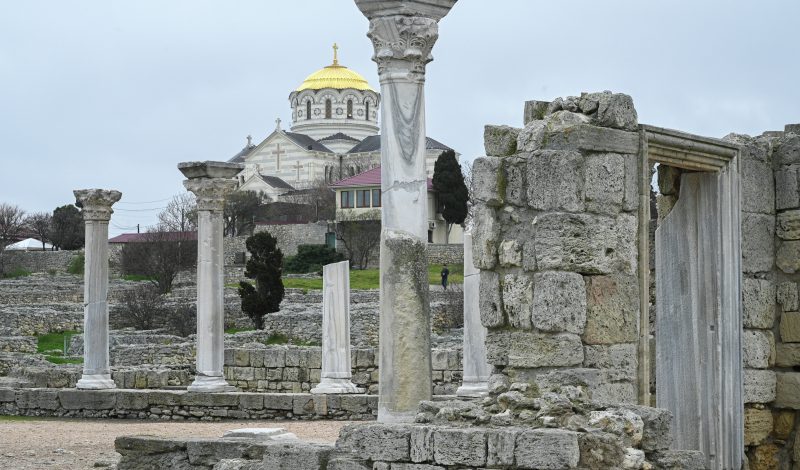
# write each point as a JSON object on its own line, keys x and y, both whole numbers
{"x": 359, "y": 197}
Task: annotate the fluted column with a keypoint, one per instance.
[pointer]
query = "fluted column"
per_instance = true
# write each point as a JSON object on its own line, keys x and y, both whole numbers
{"x": 476, "y": 368}
{"x": 210, "y": 182}
{"x": 403, "y": 34}
{"x": 96, "y": 207}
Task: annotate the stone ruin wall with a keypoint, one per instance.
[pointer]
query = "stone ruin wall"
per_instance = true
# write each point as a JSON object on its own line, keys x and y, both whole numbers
{"x": 555, "y": 237}
{"x": 39, "y": 261}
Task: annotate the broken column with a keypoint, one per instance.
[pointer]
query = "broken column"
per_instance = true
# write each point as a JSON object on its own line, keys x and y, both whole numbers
{"x": 96, "y": 208}
{"x": 210, "y": 182}
{"x": 476, "y": 369}
{"x": 403, "y": 34}
{"x": 336, "y": 372}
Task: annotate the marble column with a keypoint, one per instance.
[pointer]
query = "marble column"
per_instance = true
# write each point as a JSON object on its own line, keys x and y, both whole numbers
{"x": 403, "y": 34}
{"x": 96, "y": 208}
{"x": 210, "y": 182}
{"x": 476, "y": 369}
{"x": 336, "y": 366}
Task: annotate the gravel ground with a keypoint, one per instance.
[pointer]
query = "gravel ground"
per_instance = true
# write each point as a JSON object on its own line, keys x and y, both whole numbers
{"x": 77, "y": 444}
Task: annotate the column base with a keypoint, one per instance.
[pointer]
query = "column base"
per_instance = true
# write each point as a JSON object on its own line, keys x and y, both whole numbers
{"x": 210, "y": 384}
{"x": 336, "y": 386}
{"x": 388, "y": 416}
{"x": 95, "y": 382}
{"x": 473, "y": 389}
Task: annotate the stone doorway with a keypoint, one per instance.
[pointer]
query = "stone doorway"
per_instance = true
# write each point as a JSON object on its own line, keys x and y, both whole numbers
{"x": 698, "y": 324}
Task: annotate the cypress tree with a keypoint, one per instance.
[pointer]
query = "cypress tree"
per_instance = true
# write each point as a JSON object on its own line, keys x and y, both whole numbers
{"x": 452, "y": 193}
{"x": 265, "y": 266}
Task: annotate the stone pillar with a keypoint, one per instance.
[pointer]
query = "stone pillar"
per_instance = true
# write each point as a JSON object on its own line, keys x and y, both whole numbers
{"x": 210, "y": 182}
{"x": 476, "y": 368}
{"x": 96, "y": 207}
{"x": 336, "y": 369}
{"x": 403, "y": 34}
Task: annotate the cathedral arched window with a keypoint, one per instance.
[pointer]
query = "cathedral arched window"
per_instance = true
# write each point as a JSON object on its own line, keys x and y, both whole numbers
{"x": 308, "y": 109}
{"x": 349, "y": 109}
{"x": 328, "y": 109}
{"x": 367, "y": 110}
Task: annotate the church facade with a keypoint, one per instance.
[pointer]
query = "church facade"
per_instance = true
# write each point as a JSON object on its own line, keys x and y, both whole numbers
{"x": 334, "y": 135}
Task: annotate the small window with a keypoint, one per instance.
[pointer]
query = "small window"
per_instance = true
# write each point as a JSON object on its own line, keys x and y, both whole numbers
{"x": 430, "y": 236}
{"x": 308, "y": 109}
{"x": 366, "y": 103}
{"x": 362, "y": 198}
{"x": 347, "y": 199}
{"x": 349, "y": 109}
{"x": 328, "y": 109}
{"x": 376, "y": 198}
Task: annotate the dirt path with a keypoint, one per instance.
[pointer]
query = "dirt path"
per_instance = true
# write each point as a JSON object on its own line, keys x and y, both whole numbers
{"x": 78, "y": 444}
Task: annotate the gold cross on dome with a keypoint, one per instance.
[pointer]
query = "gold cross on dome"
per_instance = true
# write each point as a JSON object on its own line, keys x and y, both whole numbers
{"x": 335, "y": 54}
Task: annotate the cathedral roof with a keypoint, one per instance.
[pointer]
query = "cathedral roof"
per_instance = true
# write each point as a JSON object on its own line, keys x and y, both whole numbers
{"x": 373, "y": 144}
{"x": 276, "y": 182}
{"x": 239, "y": 157}
{"x": 339, "y": 136}
{"x": 307, "y": 142}
{"x": 335, "y": 76}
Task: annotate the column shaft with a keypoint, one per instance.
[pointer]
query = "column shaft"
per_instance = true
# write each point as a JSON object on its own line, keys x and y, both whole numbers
{"x": 476, "y": 368}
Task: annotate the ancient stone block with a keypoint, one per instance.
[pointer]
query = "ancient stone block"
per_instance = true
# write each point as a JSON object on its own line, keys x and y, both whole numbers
{"x": 614, "y": 393}
{"x": 765, "y": 457}
{"x": 87, "y": 399}
{"x": 500, "y": 141}
{"x": 346, "y": 463}
{"x": 759, "y": 386}
{"x": 275, "y": 401}
{"x": 618, "y": 361}
{"x": 758, "y": 349}
{"x": 210, "y": 399}
{"x": 678, "y": 459}
{"x": 510, "y": 253}
{"x": 600, "y": 450}
{"x": 128, "y": 400}
{"x": 656, "y": 433}
{"x": 6, "y": 395}
{"x": 517, "y": 300}
{"x": 531, "y": 350}
{"x": 788, "y": 257}
{"x": 297, "y": 454}
{"x": 411, "y": 466}
{"x": 758, "y": 187}
{"x": 590, "y": 138}
{"x": 462, "y": 446}
{"x": 787, "y": 225}
{"x": 485, "y": 233}
{"x": 515, "y": 181}
{"x": 165, "y": 397}
{"x": 487, "y": 180}
{"x": 605, "y": 183}
{"x": 500, "y": 446}
{"x": 757, "y": 425}
{"x": 534, "y": 110}
{"x": 758, "y": 303}
{"x": 386, "y": 442}
{"x": 787, "y": 296}
{"x": 787, "y": 187}
{"x": 251, "y": 401}
{"x": 421, "y": 444}
{"x": 559, "y": 302}
{"x": 784, "y": 424}
{"x": 612, "y": 110}
{"x": 621, "y": 422}
{"x": 612, "y": 309}
{"x": 439, "y": 359}
{"x": 547, "y": 449}
{"x": 556, "y": 181}
{"x": 758, "y": 242}
{"x": 787, "y": 354}
{"x": 275, "y": 357}
{"x": 532, "y": 137}
{"x": 37, "y": 398}
{"x": 790, "y": 327}
{"x": 787, "y": 150}
{"x": 787, "y": 390}
{"x": 588, "y": 244}
{"x": 490, "y": 300}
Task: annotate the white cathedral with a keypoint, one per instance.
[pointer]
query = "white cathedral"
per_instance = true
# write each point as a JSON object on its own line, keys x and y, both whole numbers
{"x": 334, "y": 135}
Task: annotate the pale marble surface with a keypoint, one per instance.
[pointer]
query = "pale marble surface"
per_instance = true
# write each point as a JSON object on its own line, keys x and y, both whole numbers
{"x": 476, "y": 368}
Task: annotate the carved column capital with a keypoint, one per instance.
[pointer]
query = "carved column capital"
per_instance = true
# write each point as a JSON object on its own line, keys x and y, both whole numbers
{"x": 403, "y": 43}
{"x": 96, "y": 204}
{"x": 210, "y": 192}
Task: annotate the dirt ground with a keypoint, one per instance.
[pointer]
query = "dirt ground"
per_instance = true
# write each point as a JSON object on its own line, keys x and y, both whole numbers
{"x": 40, "y": 443}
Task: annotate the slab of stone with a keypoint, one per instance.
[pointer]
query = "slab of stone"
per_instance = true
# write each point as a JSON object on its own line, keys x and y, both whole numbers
{"x": 612, "y": 309}
{"x": 547, "y": 449}
{"x": 593, "y": 139}
{"x": 617, "y": 361}
{"x": 500, "y": 141}
{"x": 559, "y": 302}
{"x": 787, "y": 390}
{"x": 587, "y": 244}
{"x": 485, "y": 233}
{"x": 758, "y": 242}
{"x": 600, "y": 450}
{"x": 758, "y": 186}
{"x": 790, "y": 327}
{"x": 532, "y": 350}
{"x": 348, "y": 463}
{"x": 37, "y": 398}
{"x": 87, "y": 399}
{"x": 556, "y": 181}
{"x": 534, "y": 110}
{"x": 787, "y": 150}
{"x": 487, "y": 180}
{"x": 787, "y": 296}
{"x": 758, "y": 303}
{"x": 678, "y": 459}
{"x": 383, "y": 442}
{"x": 788, "y": 257}
{"x": 516, "y": 170}
{"x": 490, "y": 300}
{"x": 421, "y": 444}
{"x": 278, "y": 401}
{"x": 787, "y": 187}
{"x": 460, "y": 446}
{"x": 656, "y": 432}
{"x": 605, "y": 183}
{"x": 787, "y": 354}
{"x": 210, "y": 399}
{"x": 787, "y": 225}
{"x": 517, "y": 300}
{"x": 758, "y": 349}
{"x": 296, "y": 455}
{"x": 259, "y": 434}
{"x": 610, "y": 110}
{"x": 510, "y": 253}
{"x": 6, "y": 395}
{"x": 759, "y": 386}
{"x": 500, "y": 447}
{"x": 532, "y": 137}
{"x": 132, "y": 400}
{"x": 757, "y": 425}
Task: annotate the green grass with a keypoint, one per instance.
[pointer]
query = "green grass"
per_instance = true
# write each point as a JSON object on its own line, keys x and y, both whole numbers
{"x": 4, "y": 418}
{"x": 136, "y": 277}
{"x": 231, "y": 331}
{"x": 370, "y": 278}
{"x": 55, "y": 342}
{"x": 64, "y": 360}
{"x": 300, "y": 283}
{"x": 456, "y": 274}
{"x": 283, "y": 339}
{"x": 19, "y": 272}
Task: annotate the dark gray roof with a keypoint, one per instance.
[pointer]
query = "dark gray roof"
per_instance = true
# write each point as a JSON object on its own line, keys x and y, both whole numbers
{"x": 239, "y": 157}
{"x": 373, "y": 144}
{"x": 339, "y": 136}
{"x": 276, "y": 182}
{"x": 307, "y": 142}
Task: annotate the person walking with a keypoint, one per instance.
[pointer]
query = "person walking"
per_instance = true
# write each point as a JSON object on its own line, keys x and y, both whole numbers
{"x": 445, "y": 273}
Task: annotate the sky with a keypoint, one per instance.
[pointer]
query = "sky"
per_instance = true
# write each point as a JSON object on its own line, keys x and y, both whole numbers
{"x": 115, "y": 93}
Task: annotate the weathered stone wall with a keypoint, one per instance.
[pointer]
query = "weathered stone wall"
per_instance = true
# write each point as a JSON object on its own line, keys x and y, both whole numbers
{"x": 555, "y": 238}
{"x": 39, "y": 261}
{"x": 290, "y": 236}
{"x": 446, "y": 254}
{"x": 181, "y": 405}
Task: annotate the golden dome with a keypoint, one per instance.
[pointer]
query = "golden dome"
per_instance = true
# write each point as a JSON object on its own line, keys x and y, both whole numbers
{"x": 335, "y": 76}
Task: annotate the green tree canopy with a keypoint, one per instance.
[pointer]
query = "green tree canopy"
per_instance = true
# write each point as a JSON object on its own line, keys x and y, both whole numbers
{"x": 451, "y": 191}
{"x": 67, "y": 229}
{"x": 265, "y": 266}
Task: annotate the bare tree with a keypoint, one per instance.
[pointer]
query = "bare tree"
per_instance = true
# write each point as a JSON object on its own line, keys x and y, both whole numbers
{"x": 40, "y": 223}
{"x": 241, "y": 208}
{"x": 319, "y": 197}
{"x": 180, "y": 215}
{"x": 160, "y": 256}
{"x": 142, "y": 307}
{"x": 360, "y": 235}
{"x": 12, "y": 223}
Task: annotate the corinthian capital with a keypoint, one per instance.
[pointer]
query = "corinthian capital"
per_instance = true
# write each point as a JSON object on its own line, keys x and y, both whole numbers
{"x": 210, "y": 192}
{"x": 96, "y": 204}
{"x": 403, "y": 42}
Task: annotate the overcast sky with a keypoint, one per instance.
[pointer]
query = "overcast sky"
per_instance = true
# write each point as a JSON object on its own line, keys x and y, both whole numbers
{"x": 114, "y": 93}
